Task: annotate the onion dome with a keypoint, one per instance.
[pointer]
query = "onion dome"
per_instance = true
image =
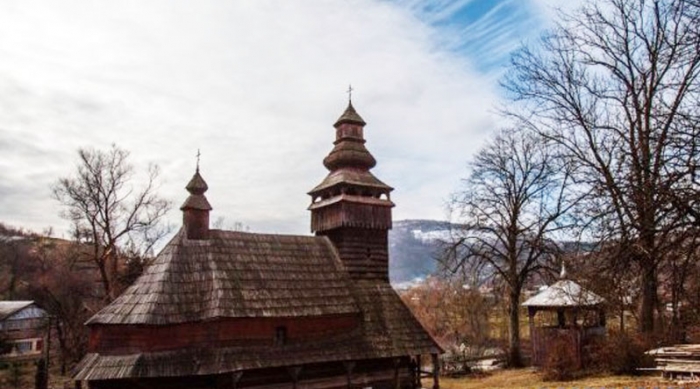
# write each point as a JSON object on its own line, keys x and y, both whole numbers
{"x": 349, "y": 150}
{"x": 350, "y": 116}
{"x": 196, "y": 200}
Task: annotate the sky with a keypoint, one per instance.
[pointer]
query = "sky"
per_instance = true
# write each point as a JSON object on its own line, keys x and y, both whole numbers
{"x": 256, "y": 86}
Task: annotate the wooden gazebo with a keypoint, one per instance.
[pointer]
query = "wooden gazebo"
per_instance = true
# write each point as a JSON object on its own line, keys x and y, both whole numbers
{"x": 569, "y": 313}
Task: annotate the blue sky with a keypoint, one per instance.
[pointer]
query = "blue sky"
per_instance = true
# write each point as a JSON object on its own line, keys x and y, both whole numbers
{"x": 484, "y": 31}
{"x": 256, "y": 86}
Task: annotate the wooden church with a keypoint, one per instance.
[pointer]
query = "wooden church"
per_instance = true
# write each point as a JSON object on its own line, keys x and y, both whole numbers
{"x": 228, "y": 309}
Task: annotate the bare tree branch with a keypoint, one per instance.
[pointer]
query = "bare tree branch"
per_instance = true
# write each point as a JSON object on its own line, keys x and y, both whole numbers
{"x": 109, "y": 213}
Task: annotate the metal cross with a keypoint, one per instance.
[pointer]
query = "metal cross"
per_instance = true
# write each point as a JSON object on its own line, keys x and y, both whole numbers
{"x": 198, "y": 154}
{"x": 350, "y": 92}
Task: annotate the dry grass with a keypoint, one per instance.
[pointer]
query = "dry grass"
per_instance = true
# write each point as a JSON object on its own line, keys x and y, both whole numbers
{"x": 528, "y": 378}
{"x": 23, "y": 377}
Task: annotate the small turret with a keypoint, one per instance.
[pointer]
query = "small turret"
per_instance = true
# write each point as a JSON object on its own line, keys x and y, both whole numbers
{"x": 195, "y": 210}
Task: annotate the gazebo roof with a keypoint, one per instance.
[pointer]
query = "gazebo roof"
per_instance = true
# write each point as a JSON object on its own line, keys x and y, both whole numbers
{"x": 564, "y": 293}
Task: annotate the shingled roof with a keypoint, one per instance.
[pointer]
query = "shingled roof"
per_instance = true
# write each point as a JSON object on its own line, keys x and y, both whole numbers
{"x": 235, "y": 274}
{"x": 350, "y": 116}
{"x": 350, "y": 177}
{"x": 564, "y": 293}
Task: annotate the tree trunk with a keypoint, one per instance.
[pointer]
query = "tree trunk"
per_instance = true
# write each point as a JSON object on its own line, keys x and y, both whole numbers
{"x": 647, "y": 262}
{"x": 514, "y": 357}
{"x": 648, "y": 287}
{"x": 104, "y": 278}
{"x": 61, "y": 344}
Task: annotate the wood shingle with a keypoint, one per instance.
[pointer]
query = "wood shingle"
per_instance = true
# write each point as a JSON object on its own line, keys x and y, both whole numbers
{"x": 234, "y": 275}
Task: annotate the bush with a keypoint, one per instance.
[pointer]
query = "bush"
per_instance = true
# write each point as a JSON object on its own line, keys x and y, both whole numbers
{"x": 621, "y": 353}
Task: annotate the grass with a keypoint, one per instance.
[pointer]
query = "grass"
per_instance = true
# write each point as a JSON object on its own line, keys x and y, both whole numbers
{"x": 22, "y": 377}
{"x": 510, "y": 379}
{"x": 528, "y": 378}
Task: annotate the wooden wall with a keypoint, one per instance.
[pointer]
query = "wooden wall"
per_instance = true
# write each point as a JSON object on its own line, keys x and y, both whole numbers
{"x": 347, "y": 214}
{"x": 364, "y": 252}
{"x": 121, "y": 339}
{"x": 544, "y": 340}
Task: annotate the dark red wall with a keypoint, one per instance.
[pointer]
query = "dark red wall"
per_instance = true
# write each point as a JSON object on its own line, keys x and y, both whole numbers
{"x": 122, "y": 339}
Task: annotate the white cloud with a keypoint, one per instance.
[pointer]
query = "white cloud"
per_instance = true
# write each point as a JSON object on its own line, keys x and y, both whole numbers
{"x": 549, "y": 9}
{"x": 256, "y": 85}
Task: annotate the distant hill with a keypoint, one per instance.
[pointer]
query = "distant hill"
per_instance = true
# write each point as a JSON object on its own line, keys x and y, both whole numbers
{"x": 413, "y": 247}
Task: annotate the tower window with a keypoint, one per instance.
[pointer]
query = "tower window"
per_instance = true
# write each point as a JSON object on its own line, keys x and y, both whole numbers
{"x": 280, "y": 336}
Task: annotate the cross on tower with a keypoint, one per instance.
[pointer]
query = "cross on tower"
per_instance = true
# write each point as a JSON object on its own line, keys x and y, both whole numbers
{"x": 198, "y": 154}
{"x": 350, "y": 93}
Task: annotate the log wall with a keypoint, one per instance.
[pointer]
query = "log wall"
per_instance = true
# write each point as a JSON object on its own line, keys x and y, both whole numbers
{"x": 347, "y": 214}
{"x": 120, "y": 339}
{"x": 364, "y": 252}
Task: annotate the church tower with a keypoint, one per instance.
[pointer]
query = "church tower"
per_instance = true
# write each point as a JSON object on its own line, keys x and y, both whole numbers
{"x": 351, "y": 206}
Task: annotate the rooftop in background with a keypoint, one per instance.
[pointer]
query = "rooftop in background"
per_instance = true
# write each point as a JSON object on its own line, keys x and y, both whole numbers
{"x": 564, "y": 293}
{"x": 8, "y": 308}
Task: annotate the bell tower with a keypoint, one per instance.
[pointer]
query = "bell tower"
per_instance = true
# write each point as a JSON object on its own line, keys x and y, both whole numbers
{"x": 352, "y": 206}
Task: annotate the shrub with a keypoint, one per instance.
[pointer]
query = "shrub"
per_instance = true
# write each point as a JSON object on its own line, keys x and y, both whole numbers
{"x": 621, "y": 353}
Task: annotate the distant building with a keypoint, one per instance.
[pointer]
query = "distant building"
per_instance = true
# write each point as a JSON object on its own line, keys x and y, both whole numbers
{"x": 23, "y": 329}
{"x": 228, "y": 309}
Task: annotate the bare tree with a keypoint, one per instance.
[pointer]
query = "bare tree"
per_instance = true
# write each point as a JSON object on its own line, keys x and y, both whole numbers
{"x": 108, "y": 212}
{"x": 677, "y": 271}
{"x": 615, "y": 86}
{"x": 60, "y": 283}
{"x": 511, "y": 204}
{"x": 451, "y": 311}
{"x": 13, "y": 253}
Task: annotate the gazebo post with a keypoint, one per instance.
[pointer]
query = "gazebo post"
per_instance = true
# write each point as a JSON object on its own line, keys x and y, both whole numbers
{"x": 436, "y": 371}
{"x": 561, "y": 318}
{"x": 419, "y": 364}
{"x": 531, "y": 312}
